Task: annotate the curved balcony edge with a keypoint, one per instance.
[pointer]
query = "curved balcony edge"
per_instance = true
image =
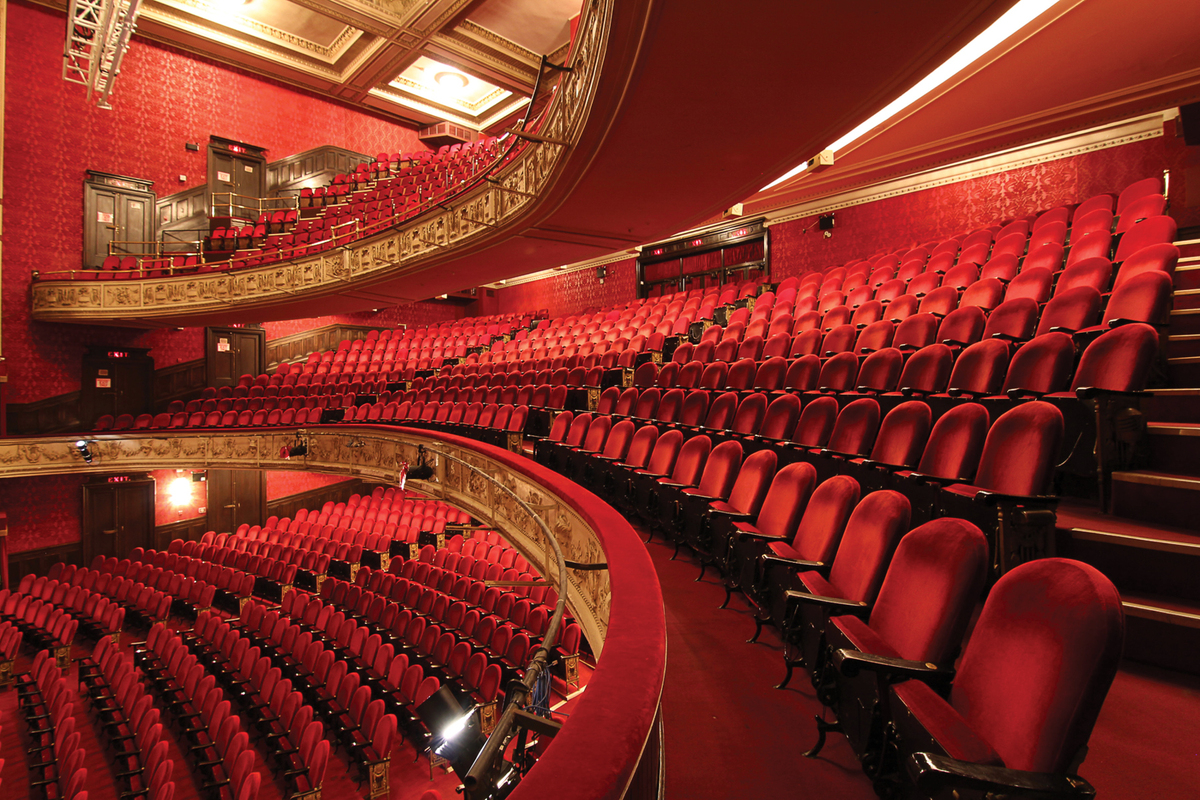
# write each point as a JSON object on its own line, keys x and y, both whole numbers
{"x": 615, "y": 727}
{"x": 370, "y": 271}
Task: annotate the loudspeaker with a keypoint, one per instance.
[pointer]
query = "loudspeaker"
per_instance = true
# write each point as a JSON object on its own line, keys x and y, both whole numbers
{"x": 1189, "y": 123}
{"x": 825, "y": 222}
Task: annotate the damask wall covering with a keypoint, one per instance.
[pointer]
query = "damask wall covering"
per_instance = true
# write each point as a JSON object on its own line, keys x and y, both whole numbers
{"x": 910, "y": 219}
{"x": 165, "y": 98}
{"x": 42, "y": 512}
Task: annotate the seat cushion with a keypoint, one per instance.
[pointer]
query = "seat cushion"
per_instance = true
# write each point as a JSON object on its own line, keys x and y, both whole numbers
{"x": 919, "y": 712}
{"x": 816, "y": 585}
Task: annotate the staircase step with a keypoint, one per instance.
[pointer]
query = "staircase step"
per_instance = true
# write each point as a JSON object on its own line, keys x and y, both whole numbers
{"x": 1183, "y": 344}
{"x": 1172, "y": 405}
{"x": 1162, "y": 631}
{"x": 1183, "y": 371}
{"x": 1173, "y": 447}
{"x": 1184, "y": 320}
{"x": 1157, "y": 497}
{"x": 1188, "y": 276}
{"x": 1187, "y": 298}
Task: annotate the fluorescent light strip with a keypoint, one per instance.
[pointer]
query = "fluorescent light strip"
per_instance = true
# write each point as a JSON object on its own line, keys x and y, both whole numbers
{"x": 1012, "y": 21}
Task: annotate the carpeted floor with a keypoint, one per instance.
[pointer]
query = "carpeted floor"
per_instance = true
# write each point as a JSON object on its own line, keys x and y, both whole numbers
{"x": 730, "y": 734}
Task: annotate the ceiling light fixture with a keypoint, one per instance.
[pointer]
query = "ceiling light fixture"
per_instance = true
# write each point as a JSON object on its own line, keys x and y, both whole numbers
{"x": 451, "y": 81}
{"x": 1009, "y": 23}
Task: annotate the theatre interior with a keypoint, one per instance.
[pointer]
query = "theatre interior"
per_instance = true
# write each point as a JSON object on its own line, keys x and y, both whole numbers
{"x": 589, "y": 399}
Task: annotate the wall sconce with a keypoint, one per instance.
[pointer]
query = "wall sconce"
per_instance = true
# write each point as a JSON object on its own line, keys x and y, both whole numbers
{"x": 179, "y": 491}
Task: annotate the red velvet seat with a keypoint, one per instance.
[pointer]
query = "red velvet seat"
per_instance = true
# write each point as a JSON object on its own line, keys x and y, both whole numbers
{"x": 741, "y": 501}
{"x": 862, "y": 558}
{"x": 816, "y": 422}
{"x": 919, "y": 616}
{"x": 714, "y": 482}
{"x": 1055, "y": 629}
{"x": 757, "y": 555}
{"x": 1042, "y": 366}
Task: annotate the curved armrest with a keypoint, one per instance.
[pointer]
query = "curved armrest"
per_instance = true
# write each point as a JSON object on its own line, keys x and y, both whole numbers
{"x": 825, "y": 451}
{"x": 765, "y": 537}
{"x": 954, "y": 391}
{"x": 872, "y": 464}
{"x": 701, "y": 497}
{"x": 674, "y": 485}
{"x": 852, "y": 662}
{"x": 796, "y": 563}
{"x": 835, "y": 605}
{"x": 933, "y": 773}
{"x": 1043, "y": 500}
{"x": 955, "y": 343}
{"x": 1008, "y": 338}
{"x": 1022, "y": 394}
{"x": 921, "y": 477}
{"x": 732, "y": 516}
{"x": 1088, "y": 392}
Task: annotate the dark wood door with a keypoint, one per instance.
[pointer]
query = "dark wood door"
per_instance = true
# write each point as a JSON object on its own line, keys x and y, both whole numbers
{"x": 233, "y": 352}
{"x": 241, "y": 173}
{"x": 116, "y": 382}
{"x": 117, "y": 210}
{"x": 235, "y": 496}
{"x": 118, "y": 515}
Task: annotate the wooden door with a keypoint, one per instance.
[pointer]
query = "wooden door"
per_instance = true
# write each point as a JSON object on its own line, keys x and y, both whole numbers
{"x": 118, "y": 515}
{"x": 117, "y": 209}
{"x": 116, "y": 382}
{"x": 239, "y": 169}
{"x": 233, "y": 352}
{"x": 235, "y": 496}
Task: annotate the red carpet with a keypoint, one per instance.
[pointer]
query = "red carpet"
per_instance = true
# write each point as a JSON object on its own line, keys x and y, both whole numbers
{"x": 730, "y": 734}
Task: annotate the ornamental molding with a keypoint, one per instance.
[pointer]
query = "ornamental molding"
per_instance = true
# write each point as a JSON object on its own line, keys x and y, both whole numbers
{"x": 458, "y": 223}
{"x": 370, "y": 453}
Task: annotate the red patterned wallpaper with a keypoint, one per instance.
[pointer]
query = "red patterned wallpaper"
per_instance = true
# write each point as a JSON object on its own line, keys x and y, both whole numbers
{"x": 284, "y": 483}
{"x": 164, "y": 98}
{"x": 934, "y": 214}
{"x": 413, "y": 315}
{"x": 42, "y": 512}
{"x": 573, "y": 292}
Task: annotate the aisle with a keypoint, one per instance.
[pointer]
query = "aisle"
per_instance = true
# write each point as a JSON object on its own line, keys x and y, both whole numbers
{"x": 729, "y": 733}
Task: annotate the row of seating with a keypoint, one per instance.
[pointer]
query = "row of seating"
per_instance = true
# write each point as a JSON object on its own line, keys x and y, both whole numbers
{"x": 95, "y": 613}
{"x": 45, "y": 703}
{"x": 281, "y": 697}
{"x": 128, "y": 723}
{"x": 223, "y": 760}
{"x": 141, "y": 603}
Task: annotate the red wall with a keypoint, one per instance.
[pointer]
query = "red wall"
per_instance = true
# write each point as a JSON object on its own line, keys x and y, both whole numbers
{"x": 937, "y": 213}
{"x": 283, "y": 483}
{"x": 42, "y": 512}
{"x": 573, "y": 292}
{"x": 414, "y": 315}
{"x": 164, "y": 98}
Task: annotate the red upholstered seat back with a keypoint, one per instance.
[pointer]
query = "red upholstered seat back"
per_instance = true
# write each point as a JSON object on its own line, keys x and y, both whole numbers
{"x": 856, "y": 427}
{"x": 1021, "y": 450}
{"x": 816, "y": 422}
{"x": 902, "y": 435}
{"x": 665, "y": 452}
{"x": 1146, "y": 297}
{"x": 641, "y": 446}
{"x": 721, "y": 470}
{"x": 720, "y": 413}
{"x": 825, "y": 518}
{"x": 930, "y": 589}
{"x": 980, "y": 368}
{"x": 1015, "y": 318}
{"x": 753, "y": 480}
{"x": 1119, "y": 360}
{"x": 871, "y": 534}
{"x": 1040, "y": 661}
{"x": 1073, "y": 309}
{"x": 880, "y": 370}
{"x": 691, "y": 459}
{"x": 786, "y": 499}
{"x": 749, "y": 416}
{"x": 781, "y": 416}
{"x": 1043, "y": 365}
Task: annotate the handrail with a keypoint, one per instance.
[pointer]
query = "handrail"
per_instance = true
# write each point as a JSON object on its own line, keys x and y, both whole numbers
{"x": 234, "y": 261}
{"x": 614, "y": 721}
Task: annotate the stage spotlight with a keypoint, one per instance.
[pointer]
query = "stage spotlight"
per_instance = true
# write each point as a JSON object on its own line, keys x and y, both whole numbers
{"x": 298, "y": 450}
{"x": 422, "y": 471}
{"x": 456, "y": 734}
{"x": 84, "y": 451}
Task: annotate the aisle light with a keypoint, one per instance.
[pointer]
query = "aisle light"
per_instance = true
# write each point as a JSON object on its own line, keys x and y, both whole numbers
{"x": 1009, "y": 23}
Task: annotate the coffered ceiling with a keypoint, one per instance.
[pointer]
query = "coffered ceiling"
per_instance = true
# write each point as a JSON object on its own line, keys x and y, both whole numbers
{"x": 387, "y": 55}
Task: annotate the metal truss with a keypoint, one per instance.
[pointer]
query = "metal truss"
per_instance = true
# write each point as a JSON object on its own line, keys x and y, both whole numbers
{"x": 98, "y": 33}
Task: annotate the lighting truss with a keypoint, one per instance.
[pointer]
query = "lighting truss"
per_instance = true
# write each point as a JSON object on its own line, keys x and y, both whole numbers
{"x": 98, "y": 33}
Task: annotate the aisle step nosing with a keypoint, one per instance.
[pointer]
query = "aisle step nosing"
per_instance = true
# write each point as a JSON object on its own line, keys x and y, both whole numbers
{"x": 1139, "y": 542}
{"x": 1173, "y": 428}
{"x": 1158, "y": 479}
{"x": 1159, "y": 614}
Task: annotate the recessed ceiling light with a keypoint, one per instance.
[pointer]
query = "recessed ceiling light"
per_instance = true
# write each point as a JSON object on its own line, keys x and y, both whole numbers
{"x": 451, "y": 81}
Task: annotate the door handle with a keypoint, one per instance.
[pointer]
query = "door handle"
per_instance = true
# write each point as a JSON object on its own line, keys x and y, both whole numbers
{"x": 231, "y": 505}
{"x": 109, "y": 531}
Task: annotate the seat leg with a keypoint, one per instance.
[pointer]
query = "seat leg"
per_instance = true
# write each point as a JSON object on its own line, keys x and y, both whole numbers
{"x": 758, "y": 626}
{"x": 728, "y": 595}
{"x": 791, "y": 666}
{"x": 703, "y": 566}
{"x": 823, "y": 727}
{"x": 676, "y": 553}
